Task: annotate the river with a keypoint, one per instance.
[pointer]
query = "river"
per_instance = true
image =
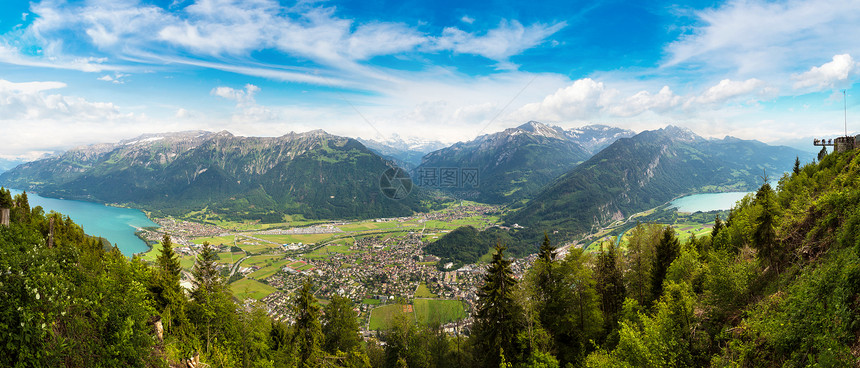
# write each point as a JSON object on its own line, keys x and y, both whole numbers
{"x": 115, "y": 224}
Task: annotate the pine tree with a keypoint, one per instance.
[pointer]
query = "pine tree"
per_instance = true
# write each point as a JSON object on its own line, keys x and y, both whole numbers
{"x": 667, "y": 250}
{"x": 340, "y": 326}
{"x": 208, "y": 293}
{"x": 206, "y": 278}
{"x": 610, "y": 285}
{"x": 797, "y": 165}
{"x": 764, "y": 236}
{"x": 169, "y": 297}
{"x": 5, "y": 198}
{"x": 308, "y": 336}
{"x": 497, "y": 317}
{"x": 546, "y": 256}
{"x": 577, "y": 318}
{"x": 718, "y": 226}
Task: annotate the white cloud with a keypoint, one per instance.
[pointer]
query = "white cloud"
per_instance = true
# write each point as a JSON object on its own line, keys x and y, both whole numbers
{"x": 36, "y": 119}
{"x": 759, "y": 37}
{"x": 829, "y": 75}
{"x": 508, "y": 39}
{"x": 728, "y": 89}
{"x": 247, "y": 109}
{"x": 581, "y": 100}
{"x": 644, "y": 101}
{"x": 467, "y": 19}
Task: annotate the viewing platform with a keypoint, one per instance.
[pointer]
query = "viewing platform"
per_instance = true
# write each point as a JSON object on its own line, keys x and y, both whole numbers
{"x": 840, "y": 144}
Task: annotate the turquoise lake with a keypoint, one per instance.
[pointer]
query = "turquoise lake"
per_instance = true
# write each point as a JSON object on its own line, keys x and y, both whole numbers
{"x": 117, "y": 225}
{"x": 708, "y": 201}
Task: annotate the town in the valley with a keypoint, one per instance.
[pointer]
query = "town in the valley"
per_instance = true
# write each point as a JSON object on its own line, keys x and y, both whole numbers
{"x": 379, "y": 264}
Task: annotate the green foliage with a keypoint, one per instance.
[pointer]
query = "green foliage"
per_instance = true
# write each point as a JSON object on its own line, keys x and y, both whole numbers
{"x": 498, "y": 317}
{"x": 666, "y": 251}
{"x": 340, "y": 326}
{"x": 467, "y": 245}
{"x": 609, "y": 283}
{"x": 665, "y": 339}
{"x": 72, "y": 305}
{"x": 308, "y": 337}
{"x": 639, "y": 260}
{"x": 812, "y": 323}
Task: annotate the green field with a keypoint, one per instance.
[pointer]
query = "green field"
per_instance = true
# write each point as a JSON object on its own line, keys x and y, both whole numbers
{"x": 262, "y": 259}
{"x": 430, "y": 312}
{"x": 295, "y": 238}
{"x": 324, "y": 252}
{"x": 228, "y": 258}
{"x": 269, "y": 270}
{"x": 369, "y": 225}
{"x": 425, "y": 311}
{"x": 423, "y": 292}
{"x": 217, "y": 240}
{"x": 248, "y": 288}
{"x": 369, "y": 301}
{"x": 383, "y": 317}
{"x": 258, "y": 248}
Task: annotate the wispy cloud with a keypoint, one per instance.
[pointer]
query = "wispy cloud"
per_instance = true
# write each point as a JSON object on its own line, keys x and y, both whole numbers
{"x": 754, "y": 37}
{"x": 833, "y": 74}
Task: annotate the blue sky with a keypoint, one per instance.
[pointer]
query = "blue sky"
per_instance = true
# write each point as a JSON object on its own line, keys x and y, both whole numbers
{"x": 80, "y": 72}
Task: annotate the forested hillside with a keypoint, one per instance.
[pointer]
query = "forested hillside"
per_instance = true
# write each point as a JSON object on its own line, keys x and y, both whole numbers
{"x": 313, "y": 174}
{"x": 775, "y": 284}
{"x": 646, "y": 171}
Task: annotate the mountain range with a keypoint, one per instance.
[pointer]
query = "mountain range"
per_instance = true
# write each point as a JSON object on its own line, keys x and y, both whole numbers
{"x": 313, "y": 174}
{"x": 406, "y": 153}
{"x": 512, "y": 165}
{"x": 647, "y": 170}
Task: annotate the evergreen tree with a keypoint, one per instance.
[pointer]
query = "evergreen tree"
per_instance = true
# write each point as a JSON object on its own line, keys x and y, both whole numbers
{"x": 764, "y": 236}
{"x": 307, "y": 339}
{"x": 578, "y": 319}
{"x": 610, "y": 285}
{"x": 797, "y": 165}
{"x": 718, "y": 226}
{"x": 209, "y": 300}
{"x": 667, "y": 250}
{"x": 340, "y": 326}
{"x": 5, "y": 198}
{"x": 545, "y": 282}
{"x": 206, "y": 278}
{"x": 169, "y": 297}
{"x": 640, "y": 255}
{"x": 497, "y": 316}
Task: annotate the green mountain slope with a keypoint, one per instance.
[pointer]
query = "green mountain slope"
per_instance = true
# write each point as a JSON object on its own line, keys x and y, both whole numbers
{"x": 645, "y": 171}
{"x": 314, "y": 174}
{"x": 512, "y": 165}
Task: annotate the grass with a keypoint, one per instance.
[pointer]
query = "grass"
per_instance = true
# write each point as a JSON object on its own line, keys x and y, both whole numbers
{"x": 369, "y": 225}
{"x": 215, "y": 240}
{"x": 262, "y": 260}
{"x": 431, "y": 312}
{"x": 225, "y": 257}
{"x": 423, "y": 292}
{"x": 383, "y": 317}
{"x": 369, "y": 301}
{"x": 269, "y": 270}
{"x": 248, "y": 288}
{"x": 257, "y": 248}
{"x": 323, "y": 252}
{"x": 427, "y": 312}
{"x": 295, "y": 238}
